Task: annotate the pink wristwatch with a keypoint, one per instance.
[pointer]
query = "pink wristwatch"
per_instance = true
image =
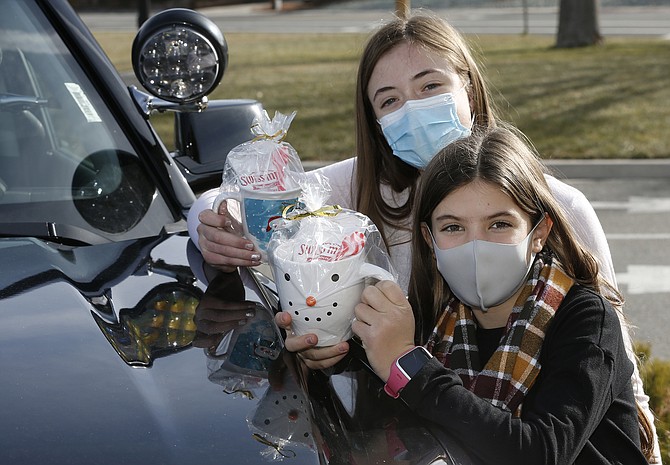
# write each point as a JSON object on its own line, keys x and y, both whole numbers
{"x": 404, "y": 368}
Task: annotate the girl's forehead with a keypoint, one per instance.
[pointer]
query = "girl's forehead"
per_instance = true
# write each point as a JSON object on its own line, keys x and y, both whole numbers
{"x": 405, "y": 60}
{"x": 415, "y": 55}
{"x": 476, "y": 199}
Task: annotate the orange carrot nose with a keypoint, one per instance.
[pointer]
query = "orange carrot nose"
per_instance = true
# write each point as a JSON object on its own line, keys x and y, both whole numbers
{"x": 310, "y": 301}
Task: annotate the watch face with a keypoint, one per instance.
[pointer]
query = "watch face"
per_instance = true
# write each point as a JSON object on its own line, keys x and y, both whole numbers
{"x": 413, "y": 361}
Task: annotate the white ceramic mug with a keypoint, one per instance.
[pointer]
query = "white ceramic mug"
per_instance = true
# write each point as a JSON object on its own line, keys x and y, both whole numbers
{"x": 321, "y": 295}
{"x": 258, "y": 209}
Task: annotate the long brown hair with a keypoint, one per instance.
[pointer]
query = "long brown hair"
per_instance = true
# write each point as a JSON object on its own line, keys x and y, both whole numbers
{"x": 376, "y": 164}
{"x": 503, "y": 157}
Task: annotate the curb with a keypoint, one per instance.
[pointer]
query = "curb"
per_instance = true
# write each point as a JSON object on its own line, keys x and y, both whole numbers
{"x": 610, "y": 169}
{"x": 586, "y": 169}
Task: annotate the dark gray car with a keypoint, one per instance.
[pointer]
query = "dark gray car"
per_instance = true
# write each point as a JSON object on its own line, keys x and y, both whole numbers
{"x": 117, "y": 344}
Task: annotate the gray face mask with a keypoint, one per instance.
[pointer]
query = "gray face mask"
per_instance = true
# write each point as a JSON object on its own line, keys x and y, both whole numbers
{"x": 484, "y": 274}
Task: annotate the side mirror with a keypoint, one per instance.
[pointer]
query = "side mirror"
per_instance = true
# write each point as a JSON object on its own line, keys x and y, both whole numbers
{"x": 179, "y": 56}
{"x": 203, "y": 139}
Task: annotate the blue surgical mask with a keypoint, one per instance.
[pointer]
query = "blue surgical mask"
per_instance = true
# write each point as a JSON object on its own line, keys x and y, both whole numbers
{"x": 421, "y": 128}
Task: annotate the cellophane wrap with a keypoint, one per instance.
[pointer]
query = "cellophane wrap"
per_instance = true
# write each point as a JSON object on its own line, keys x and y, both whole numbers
{"x": 321, "y": 260}
{"x": 267, "y": 162}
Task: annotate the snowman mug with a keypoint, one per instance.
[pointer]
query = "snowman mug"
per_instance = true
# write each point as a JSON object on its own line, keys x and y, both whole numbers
{"x": 321, "y": 295}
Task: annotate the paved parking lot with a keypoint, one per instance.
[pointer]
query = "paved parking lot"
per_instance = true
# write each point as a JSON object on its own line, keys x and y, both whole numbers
{"x": 635, "y": 214}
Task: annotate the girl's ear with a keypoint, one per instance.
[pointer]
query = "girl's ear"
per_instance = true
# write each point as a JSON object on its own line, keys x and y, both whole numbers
{"x": 541, "y": 233}
{"x": 425, "y": 232}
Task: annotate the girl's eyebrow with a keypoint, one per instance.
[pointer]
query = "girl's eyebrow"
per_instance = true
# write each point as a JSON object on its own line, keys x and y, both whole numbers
{"x": 500, "y": 214}
{"x": 418, "y": 75}
{"x": 447, "y": 217}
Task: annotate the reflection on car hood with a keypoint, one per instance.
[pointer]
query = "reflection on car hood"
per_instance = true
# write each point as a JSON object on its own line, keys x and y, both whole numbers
{"x": 85, "y": 379}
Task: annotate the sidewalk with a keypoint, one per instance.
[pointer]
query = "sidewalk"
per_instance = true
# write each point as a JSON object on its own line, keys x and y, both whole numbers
{"x": 588, "y": 169}
{"x": 610, "y": 169}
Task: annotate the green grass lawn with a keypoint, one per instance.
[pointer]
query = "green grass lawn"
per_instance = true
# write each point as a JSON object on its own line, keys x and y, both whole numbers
{"x": 609, "y": 101}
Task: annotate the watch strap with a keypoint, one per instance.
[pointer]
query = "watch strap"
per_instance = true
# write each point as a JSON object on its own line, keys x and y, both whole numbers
{"x": 398, "y": 378}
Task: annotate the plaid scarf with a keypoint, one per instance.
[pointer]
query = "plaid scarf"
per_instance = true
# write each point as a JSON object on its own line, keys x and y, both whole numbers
{"x": 514, "y": 366}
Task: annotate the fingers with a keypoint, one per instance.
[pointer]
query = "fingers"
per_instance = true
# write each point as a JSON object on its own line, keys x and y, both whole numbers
{"x": 283, "y": 320}
{"x": 230, "y": 221}
{"x": 382, "y": 292}
{"x": 320, "y": 358}
{"x": 384, "y": 323}
{"x": 300, "y": 343}
{"x": 207, "y": 341}
{"x": 385, "y": 302}
{"x": 222, "y": 248}
{"x": 219, "y": 320}
{"x": 361, "y": 325}
{"x": 294, "y": 343}
{"x": 315, "y": 358}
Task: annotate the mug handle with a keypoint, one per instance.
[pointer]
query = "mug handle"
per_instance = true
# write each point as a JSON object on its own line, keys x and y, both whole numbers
{"x": 225, "y": 196}
{"x": 368, "y": 270}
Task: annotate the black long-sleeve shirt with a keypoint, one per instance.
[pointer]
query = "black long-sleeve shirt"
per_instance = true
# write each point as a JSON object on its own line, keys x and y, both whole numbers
{"x": 580, "y": 410}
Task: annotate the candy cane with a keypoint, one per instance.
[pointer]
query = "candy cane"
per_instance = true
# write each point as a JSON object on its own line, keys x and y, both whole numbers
{"x": 351, "y": 245}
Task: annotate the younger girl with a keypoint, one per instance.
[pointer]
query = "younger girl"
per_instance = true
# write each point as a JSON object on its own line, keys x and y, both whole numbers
{"x": 522, "y": 357}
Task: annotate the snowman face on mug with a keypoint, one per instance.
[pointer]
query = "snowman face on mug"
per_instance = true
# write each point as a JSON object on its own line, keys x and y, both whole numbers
{"x": 320, "y": 277}
{"x": 306, "y": 300}
{"x": 321, "y": 295}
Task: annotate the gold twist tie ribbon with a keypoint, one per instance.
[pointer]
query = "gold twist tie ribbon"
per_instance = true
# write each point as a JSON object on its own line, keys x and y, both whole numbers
{"x": 278, "y": 136}
{"x": 327, "y": 210}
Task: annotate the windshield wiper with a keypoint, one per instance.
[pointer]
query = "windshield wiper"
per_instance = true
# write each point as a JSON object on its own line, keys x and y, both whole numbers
{"x": 62, "y": 233}
{"x": 15, "y": 100}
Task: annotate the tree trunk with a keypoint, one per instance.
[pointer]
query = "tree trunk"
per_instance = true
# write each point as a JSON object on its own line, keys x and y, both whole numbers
{"x": 402, "y": 8}
{"x": 578, "y": 24}
{"x": 143, "y": 11}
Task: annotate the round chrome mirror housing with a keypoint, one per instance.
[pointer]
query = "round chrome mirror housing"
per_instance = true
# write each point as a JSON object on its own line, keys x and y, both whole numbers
{"x": 179, "y": 55}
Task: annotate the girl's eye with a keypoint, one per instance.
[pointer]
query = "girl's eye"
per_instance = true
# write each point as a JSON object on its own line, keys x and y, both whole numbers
{"x": 388, "y": 102}
{"x": 451, "y": 228}
{"x": 431, "y": 86}
{"x": 501, "y": 225}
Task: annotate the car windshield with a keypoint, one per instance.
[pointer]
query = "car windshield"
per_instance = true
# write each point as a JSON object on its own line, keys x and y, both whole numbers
{"x": 66, "y": 167}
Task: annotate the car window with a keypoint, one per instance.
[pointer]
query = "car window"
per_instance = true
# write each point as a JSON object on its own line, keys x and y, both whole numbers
{"x": 59, "y": 143}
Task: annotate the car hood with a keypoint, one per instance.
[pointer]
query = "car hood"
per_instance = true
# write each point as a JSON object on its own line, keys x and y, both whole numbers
{"x": 99, "y": 361}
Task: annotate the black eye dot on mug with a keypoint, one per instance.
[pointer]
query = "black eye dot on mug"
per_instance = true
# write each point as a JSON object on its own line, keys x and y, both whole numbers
{"x": 287, "y": 276}
{"x": 335, "y": 278}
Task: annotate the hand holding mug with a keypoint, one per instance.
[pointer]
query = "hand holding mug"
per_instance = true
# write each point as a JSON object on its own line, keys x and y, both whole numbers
{"x": 258, "y": 210}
